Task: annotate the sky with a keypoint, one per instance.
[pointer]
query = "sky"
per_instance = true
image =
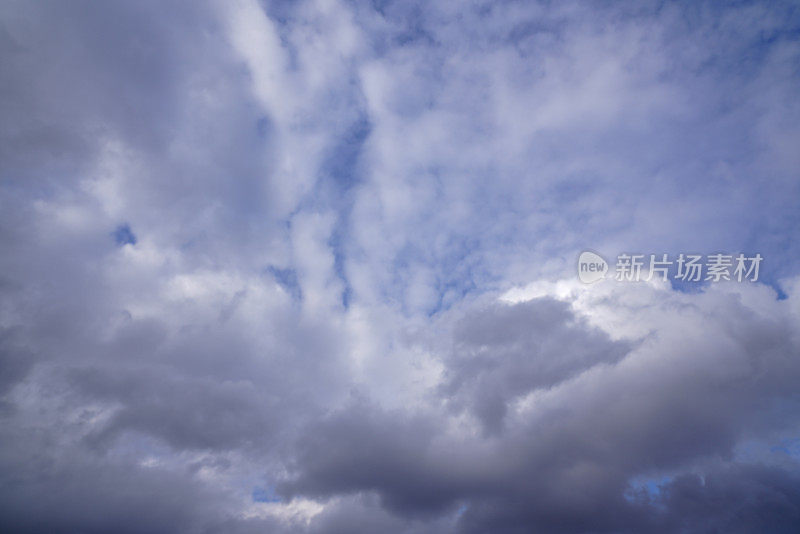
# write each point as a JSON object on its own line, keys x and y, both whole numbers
{"x": 311, "y": 267}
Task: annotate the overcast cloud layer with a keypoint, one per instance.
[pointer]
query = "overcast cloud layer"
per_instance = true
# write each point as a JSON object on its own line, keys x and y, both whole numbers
{"x": 309, "y": 267}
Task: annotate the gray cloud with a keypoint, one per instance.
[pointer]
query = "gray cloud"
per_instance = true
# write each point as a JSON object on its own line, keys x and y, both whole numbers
{"x": 568, "y": 465}
{"x": 504, "y": 352}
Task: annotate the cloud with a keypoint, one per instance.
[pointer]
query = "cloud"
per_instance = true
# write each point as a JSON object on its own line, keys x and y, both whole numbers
{"x": 505, "y": 352}
{"x": 309, "y": 267}
{"x": 678, "y": 403}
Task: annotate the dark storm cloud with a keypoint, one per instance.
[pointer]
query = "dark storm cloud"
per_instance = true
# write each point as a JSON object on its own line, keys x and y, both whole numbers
{"x": 740, "y": 499}
{"x": 568, "y": 466}
{"x": 76, "y": 71}
{"x": 65, "y": 492}
{"x": 367, "y": 449}
{"x": 504, "y": 352}
{"x": 15, "y": 361}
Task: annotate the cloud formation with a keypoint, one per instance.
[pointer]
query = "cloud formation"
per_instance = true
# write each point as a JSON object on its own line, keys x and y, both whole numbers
{"x": 308, "y": 267}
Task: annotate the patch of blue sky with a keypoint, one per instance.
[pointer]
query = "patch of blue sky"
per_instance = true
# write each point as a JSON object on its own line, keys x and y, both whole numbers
{"x": 123, "y": 235}
{"x": 647, "y": 488}
{"x": 288, "y": 280}
{"x": 775, "y": 451}
{"x": 341, "y": 165}
{"x": 340, "y": 174}
{"x": 336, "y": 242}
{"x": 264, "y": 494}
